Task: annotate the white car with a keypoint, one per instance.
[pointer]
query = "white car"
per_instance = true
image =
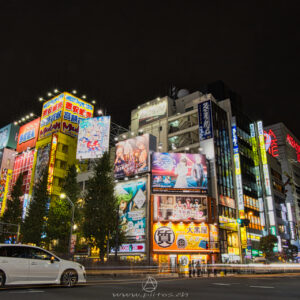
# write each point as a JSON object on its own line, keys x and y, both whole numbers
{"x": 22, "y": 264}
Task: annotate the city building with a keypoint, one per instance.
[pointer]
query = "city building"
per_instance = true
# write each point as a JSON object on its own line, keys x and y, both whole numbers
{"x": 284, "y": 146}
{"x": 57, "y": 139}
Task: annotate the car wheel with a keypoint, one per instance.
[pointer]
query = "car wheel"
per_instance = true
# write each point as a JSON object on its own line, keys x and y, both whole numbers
{"x": 69, "y": 278}
{"x": 2, "y": 279}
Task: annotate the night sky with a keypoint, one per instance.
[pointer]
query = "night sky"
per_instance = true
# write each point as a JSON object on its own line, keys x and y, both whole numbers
{"x": 128, "y": 52}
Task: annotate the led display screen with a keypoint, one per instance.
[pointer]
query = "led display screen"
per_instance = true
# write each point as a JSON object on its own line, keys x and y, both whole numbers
{"x": 93, "y": 137}
{"x": 179, "y": 208}
{"x": 179, "y": 172}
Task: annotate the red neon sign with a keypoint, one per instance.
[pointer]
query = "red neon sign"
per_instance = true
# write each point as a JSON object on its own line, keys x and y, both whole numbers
{"x": 273, "y": 147}
{"x": 295, "y": 145}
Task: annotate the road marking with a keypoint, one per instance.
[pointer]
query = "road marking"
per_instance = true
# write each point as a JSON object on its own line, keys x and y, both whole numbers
{"x": 27, "y": 291}
{"x": 262, "y": 286}
{"x": 221, "y": 283}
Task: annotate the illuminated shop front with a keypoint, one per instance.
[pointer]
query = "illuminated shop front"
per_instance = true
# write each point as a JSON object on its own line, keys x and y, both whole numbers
{"x": 175, "y": 245}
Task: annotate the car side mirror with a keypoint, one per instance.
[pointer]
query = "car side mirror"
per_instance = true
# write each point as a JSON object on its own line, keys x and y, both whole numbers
{"x": 52, "y": 259}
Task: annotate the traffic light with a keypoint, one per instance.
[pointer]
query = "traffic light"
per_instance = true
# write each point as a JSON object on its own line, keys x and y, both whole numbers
{"x": 243, "y": 222}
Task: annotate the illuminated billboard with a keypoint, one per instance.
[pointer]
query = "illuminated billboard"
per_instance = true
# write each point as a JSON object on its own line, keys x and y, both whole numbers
{"x": 63, "y": 113}
{"x": 132, "y": 156}
{"x": 153, "y": 112}
{"x": 51, "y": 116}
{"x": 6, "y": 175}
{"x": 52, "y": 162}
{"x": 9, "y": 136}
{"x": 205, "y": 120}
{"x": 179, "y": 172}
{"x": 75, "y": 110}
{"x": 180, "y": 237}
{"x": 93, "y": 137}
{"x": 132, "y": 201}
{"x": 28, "y": 135}
{"x": 179, "y": 208}
{"x": 271, "y": 142}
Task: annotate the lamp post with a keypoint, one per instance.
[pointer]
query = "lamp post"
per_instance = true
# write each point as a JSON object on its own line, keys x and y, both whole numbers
{"x": 64, "y": 196}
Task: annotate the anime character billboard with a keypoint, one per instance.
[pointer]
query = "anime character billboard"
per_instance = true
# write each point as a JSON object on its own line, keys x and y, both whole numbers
{"x": 93, "y": 137}
{"x": 179, "y": 208}
{"x": 132, "y": 198}
{"x": 179, "y": 172}
{"x": 132, "y": 156}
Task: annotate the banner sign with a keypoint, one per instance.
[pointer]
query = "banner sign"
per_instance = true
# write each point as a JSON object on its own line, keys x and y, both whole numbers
{"x": 28, "y": 135}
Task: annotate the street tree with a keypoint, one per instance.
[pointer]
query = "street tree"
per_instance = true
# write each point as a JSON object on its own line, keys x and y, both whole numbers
{"x": 267, "y": 244}
{"x": 13, "y": 212}
{"x": 60, "y": 213}
{"x": 101, "y": 209}
{"x": 33, "y": 226}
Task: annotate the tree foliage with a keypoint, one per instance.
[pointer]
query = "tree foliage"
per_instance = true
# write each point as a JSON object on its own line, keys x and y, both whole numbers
{"x": 101, "y": 209}
{"x": 34, "y": 224}
{"x": 13, "y": 212}
{"x": 60, "y": 213}
{"x": 267, "y": 244}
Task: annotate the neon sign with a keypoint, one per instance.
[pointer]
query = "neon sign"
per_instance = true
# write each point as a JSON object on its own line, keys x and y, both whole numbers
{"x": 52, "y": 162}
{"x": 271, "y": 143}
{"x": 294, "y": 144}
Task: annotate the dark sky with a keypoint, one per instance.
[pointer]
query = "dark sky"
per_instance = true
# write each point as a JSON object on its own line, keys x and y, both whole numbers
{"x": 128, "y": 52}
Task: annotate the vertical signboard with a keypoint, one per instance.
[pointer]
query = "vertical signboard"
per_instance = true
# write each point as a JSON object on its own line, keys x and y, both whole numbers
{"x": 267, "y": 182}
{"x": 52, "y": 162}
{"x": 5, "y": 179}
{"x": 238, "y": 173}
{"x": 205, "y": 120}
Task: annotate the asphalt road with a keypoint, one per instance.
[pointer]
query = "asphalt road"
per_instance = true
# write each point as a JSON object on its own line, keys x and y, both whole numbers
{"x": 203, "y": 288}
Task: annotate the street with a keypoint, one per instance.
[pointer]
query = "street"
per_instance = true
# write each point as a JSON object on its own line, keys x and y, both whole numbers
{"x": 215, "y": 288}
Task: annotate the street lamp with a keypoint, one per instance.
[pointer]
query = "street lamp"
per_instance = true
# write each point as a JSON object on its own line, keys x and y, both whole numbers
{"x": 64, "y": 196}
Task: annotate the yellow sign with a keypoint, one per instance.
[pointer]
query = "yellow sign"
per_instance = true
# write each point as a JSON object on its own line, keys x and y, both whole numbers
{"x": 244, "y": 237}
{"x": 8, "y": 178}
{"x": 228, "y": 223}
{"x": 180, "y": 237}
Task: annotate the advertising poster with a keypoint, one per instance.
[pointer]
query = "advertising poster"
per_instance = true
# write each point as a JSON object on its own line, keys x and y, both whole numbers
{"x": 179, "y": 208}
{"x": 180, "y": 237}
{"x": 75, "y": 110}
{"x": 132, "y": 156}
{"x": 93, "y": 137}
{"x": 153, "y": 113}
{"x": 132, "y": 198}
{"x": 51, "y": 116}
{"x": 205, "y": 120}
{"x": 28, "y": 135}
{"x": 9, "y": 136}
{"x": 26, "y": 203}
{"x": 179, "y": 173}
{"x": 42, "y": 160}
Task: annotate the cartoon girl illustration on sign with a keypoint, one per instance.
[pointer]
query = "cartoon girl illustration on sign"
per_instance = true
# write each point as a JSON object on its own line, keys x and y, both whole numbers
{"x": 181, "y": 170}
